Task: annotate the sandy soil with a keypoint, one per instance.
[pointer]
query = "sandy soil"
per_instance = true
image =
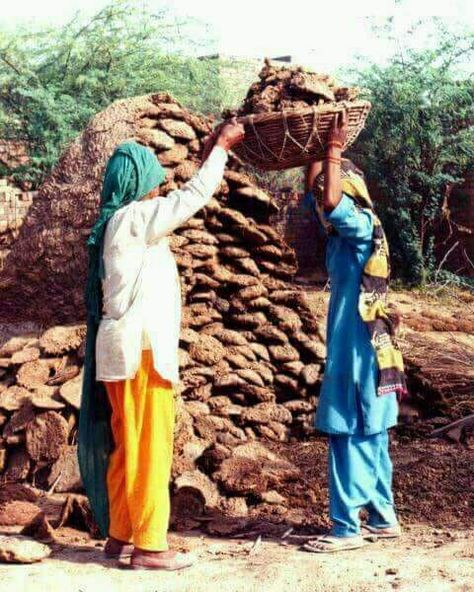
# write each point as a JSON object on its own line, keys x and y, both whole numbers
{"x": 424, "y": 560}
{"x": 434, "y": 492}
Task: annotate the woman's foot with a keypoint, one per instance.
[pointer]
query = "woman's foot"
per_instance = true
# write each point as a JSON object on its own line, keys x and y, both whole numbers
{"x": 117, "y": 549}
{"x": 166, "y": 560}
{"x": 388, "y": 532}
{"x": 332, "y": 544}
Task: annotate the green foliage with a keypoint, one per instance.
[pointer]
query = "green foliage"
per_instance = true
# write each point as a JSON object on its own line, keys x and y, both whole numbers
{"x": 53, "y": 80}
{"x": 418, "y": 141}
{"x": 447, "y": 277}
{"x": 419, "y": 138}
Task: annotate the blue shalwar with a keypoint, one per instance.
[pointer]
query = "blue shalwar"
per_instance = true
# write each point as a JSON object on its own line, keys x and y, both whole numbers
{"x": 349, "y": 409}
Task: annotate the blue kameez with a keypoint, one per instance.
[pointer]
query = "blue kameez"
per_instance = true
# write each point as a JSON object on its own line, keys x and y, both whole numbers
{"x": 348, "y": 402}
{"x": 349, "y": 409}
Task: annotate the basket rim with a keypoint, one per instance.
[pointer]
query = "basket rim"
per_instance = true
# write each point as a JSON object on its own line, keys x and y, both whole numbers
{"x": 301, "y": 111}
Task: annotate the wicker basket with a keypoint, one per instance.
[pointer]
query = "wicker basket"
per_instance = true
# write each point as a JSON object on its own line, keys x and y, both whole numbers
{"x": 291, "y": 138}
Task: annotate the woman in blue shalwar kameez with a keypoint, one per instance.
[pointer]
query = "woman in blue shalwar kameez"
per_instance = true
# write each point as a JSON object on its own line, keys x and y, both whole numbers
{"x": 350, "y": 410}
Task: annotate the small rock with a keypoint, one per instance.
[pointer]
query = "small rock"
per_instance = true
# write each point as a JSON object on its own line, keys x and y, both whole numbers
{"x": 272, "y": 497}
{"x": 21, "y": 549}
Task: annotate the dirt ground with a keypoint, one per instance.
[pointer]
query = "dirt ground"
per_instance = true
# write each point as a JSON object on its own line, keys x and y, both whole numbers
{"x": 424, "y": 560}
{"x": 433, "y": 482}
{"x": 434, "y": 494}
{"x": 434, "y": 489}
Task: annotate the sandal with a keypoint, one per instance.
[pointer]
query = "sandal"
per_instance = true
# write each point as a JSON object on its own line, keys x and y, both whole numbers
{"x": 331, "y": 544}
{"x": 389, "y": 532}
{"x": 175, "y": 563}
{"x": 115, "y": 549}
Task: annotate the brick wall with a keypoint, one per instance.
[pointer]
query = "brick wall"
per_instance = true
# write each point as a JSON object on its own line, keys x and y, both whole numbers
{"x": 301, "y": 232}
{"x": 14, "y": 205}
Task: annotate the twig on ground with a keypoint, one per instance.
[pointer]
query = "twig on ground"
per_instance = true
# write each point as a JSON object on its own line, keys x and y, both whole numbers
{"x": 256, "y": 546}
{"x": 55, "y": 483}
{"x": 286, "y": 533}
{"x": 454, "y": 430}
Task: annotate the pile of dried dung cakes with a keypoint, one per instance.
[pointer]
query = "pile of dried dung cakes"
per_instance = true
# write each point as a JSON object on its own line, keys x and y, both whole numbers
{"x": 291, "y": 87}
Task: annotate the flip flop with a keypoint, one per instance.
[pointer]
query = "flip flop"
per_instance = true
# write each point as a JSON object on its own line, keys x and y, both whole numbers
{"x": 332, "y": 544}
{"x": 390, "y": 532}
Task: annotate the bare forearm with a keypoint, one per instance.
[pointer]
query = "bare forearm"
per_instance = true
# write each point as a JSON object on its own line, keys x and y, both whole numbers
{"x": 332, "y": 193}
{"x": 312, "y": 172}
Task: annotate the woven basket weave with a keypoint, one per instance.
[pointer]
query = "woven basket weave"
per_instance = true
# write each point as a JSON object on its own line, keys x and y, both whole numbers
{"x": 291, "y": 138}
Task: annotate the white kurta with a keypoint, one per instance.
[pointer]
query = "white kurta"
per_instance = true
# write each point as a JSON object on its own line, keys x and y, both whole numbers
{"x": 141, "y": 288}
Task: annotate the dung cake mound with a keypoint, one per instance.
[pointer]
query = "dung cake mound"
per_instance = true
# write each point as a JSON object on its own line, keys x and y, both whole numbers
{"x": 251, "y": 353}
{"x": 288, "y": 113}
{"x": 282, "y": 87}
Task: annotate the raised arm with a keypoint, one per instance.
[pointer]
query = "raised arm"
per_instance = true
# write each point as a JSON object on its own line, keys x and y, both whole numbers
{"x": 312, "y": 171}
{"x": 351, "y": 222}
{"x": 332, "y": 192}
{"x": 162, "y": 215}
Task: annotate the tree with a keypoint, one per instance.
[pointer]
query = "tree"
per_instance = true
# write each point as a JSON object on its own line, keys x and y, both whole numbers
{"x": 418, "y": 141}
{"x": 53, "y": 80}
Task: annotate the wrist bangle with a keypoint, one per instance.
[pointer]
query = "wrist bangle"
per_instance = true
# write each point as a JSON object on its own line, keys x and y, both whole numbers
{"x": 333, "y": 160}
{"x": 334, "y": 143}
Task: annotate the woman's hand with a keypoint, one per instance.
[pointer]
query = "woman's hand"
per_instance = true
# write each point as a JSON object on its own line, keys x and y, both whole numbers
{"x": 225, "y": 135}
{"x": 338, "y": 132}
{"x": 230, "y": 134}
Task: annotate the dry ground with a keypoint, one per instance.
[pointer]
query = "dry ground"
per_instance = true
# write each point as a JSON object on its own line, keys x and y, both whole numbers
{"x": 425, "y": 560}
{"x": 434, "y": 490}
{"x": 434, "y": 486}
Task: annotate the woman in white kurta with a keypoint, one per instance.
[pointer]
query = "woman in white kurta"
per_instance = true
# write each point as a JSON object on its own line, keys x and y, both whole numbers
{"x": 136, "y": 349}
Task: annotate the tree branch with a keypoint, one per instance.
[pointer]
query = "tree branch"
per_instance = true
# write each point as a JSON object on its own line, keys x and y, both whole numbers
{"x": 9, "y": 63}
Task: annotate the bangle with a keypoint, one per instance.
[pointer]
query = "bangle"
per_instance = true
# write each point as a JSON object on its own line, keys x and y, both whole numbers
{"x": 333, "y": 160}
{"x": 334, "y": 143}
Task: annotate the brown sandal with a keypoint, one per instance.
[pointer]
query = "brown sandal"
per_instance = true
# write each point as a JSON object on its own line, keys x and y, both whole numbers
{"x": 115, "y": 549}
{"x": 179, "y": 561}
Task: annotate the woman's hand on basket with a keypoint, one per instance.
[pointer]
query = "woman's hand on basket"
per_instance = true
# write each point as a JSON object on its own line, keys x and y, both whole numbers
{"x": 225, "y": 135}
{"x": 230, "y": 134}
{"x": 338, "y": 133}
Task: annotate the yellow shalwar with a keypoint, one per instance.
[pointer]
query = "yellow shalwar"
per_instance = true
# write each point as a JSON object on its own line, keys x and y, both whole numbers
{"x": 138, "y": 475}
